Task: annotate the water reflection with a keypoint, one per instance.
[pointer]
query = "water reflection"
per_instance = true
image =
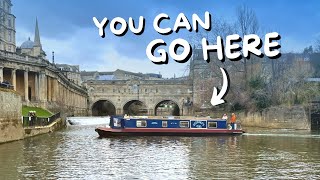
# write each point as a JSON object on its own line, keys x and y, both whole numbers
{"x": 77, "y": 152}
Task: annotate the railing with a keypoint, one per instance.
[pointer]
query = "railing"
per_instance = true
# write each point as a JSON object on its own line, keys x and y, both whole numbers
{"x": 236, "y": 126}
{"x": 6, "y": 85}
{"x": 38, "y": 121}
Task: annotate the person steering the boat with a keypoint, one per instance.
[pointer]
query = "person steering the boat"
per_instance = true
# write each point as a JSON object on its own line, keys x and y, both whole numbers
{"x": 233, "y": 120}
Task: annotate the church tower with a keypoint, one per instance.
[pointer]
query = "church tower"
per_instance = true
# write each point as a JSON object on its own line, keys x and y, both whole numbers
{"x": 37, "y": 47}
{"x": 7, "y": 27}
{"x": 33, "y": 48}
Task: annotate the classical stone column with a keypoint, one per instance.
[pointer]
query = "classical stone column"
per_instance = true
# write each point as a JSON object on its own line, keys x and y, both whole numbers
{"x": 65, "y": 96}
{"x": 42, "y": 87}
{"x": 14, "y": 79}
{"x": 150, "y": 112}
{"x": 36, "y": 86}
{"x": 49, "y": 88}
{"x": 26, "y": 85}
{"x": 68, "y": 97}
{"x": 119, "y": 111}
{"x": 1, "y": 74}
{"x": 55, "y": 90}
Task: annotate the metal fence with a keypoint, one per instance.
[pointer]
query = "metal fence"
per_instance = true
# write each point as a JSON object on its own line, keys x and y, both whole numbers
{"x": 6, "y": 85}
{"x": 38, "y": 121}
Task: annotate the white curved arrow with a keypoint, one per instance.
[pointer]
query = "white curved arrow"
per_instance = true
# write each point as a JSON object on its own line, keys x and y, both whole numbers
{"x": 216, "y": 98}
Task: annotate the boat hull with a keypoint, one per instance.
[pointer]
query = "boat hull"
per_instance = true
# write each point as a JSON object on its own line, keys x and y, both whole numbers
{"x": 109, "y": 132}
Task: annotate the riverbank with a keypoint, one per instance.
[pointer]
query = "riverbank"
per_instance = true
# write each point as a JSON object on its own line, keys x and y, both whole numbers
{"x": 11, "y": 123}
{"x": 35, "y": 131}
{"x": 278, "y": 117}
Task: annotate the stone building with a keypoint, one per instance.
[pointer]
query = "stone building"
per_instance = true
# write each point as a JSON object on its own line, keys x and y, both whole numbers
{"x": 7, "y": 27}
{"x": 32, "y": 48}
{"x": 89, "y": 75}
{"x": 201, "y": 73}
{"x": 71, "y": 71}
{"x": 118, "y": 75}
{"x": 206, "y": 75}
{"x": 32, "y": 76}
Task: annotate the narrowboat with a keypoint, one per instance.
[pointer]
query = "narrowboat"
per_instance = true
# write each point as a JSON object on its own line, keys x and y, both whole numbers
{"x": 167, "y": 126}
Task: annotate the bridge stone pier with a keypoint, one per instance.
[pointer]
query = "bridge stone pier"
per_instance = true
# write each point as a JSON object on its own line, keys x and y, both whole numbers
{"x": 120, "y": 94}
{"x": 41, "y": 84}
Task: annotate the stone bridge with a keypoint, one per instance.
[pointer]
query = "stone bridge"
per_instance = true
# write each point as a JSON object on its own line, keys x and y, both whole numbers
{"x": 40, "y": 83}
{"x": 120, "y": 94}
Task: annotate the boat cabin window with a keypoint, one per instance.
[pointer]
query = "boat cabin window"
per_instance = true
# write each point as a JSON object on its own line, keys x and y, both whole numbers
{"x": 212, "y": 124}
{"x": 141, "y": 123}
{"x": 116, "y": 122}
{"x": 164, "y": 123}
{"x": 184, "y": 124}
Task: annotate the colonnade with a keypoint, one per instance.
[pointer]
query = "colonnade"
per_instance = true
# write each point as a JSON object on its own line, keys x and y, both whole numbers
{"x": 38, "y": 87}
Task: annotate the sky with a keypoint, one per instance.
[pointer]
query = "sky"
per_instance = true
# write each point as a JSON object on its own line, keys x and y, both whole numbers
{"x": 67, "y": 28}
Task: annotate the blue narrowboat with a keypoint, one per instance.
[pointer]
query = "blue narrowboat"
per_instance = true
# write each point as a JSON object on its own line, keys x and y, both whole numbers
{"x": 167, "y": 126}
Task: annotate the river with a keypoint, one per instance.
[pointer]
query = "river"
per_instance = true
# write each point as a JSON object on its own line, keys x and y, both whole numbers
{"x": 77, "y": 153}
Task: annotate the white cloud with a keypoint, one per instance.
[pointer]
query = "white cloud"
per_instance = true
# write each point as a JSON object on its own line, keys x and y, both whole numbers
{"x": 85, "y": 48}
{"x": 114, "y": 60}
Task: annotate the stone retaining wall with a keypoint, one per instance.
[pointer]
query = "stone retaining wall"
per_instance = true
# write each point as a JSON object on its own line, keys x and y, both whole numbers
{"x": 10, "y": 116}
{"x": 295, "y": 117}
{"x": 11, "y": 128}
{"x": 34, "y": 131}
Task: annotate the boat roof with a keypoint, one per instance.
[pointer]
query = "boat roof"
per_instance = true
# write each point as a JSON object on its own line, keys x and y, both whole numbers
{"x": 172, "y": 117}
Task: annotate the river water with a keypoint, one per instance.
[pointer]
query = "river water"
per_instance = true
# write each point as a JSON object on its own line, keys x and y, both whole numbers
{"x": 77, "y": 153}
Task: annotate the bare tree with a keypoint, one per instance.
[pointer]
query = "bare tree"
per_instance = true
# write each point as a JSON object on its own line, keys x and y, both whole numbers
{"x": 211, "y": 75}
{"x": 317, "y": 45}
{"x": 291, "y": 86}
{"x": 248, "y": 24}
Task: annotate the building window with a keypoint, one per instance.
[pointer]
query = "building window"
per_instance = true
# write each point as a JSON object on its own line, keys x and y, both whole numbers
{"x": 212, "y": 124}
{"x": 146, "y": 90}
{"x": 9, "y": 22}
{"x": 141, "y": 123}
{"x": 184, "y": 124}
{"x": 9, "y": 36}
{"x": 164, "y": 123}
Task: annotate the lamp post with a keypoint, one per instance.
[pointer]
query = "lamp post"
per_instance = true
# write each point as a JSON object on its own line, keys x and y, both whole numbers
{"x": 52, "y": 57}
{"x": 138, "y": 91}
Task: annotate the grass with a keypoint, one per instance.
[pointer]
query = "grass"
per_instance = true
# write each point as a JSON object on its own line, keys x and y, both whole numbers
{"x": 39, "y": 111}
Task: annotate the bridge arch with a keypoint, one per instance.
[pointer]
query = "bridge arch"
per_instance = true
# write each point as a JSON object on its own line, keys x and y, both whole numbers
{"x": 135, "y": 107}
{"x": 167, "y": 107}
{"x": 103, "y": 107}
